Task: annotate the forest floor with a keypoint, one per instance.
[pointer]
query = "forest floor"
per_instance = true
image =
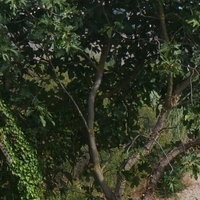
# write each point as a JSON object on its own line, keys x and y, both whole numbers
{"x": 191, "y": 192}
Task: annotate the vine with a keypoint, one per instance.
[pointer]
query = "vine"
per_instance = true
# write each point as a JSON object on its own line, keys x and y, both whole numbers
{"x": 20, "y": 156}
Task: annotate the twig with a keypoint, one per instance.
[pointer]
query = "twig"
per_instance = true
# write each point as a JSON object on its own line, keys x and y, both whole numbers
{"x": 104, "y": 12}
{"x": 132, "y": 142}
{"x": 191, "y": 89}
{"x": 69, "y": 95}
{"x": 146, "y": 16}
{"x": 89, "y": 59}
{"x": 172, "y": 169}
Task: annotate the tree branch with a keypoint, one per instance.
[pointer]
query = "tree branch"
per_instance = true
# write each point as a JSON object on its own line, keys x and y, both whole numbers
{"x": 158, "y": 172}
{"x": 89, "y": 59}
{"x": 166, "y": 39}
{"x": 69, "y": 95}
{"x": 162, "y": 22}
{"x": 182, "y": 86}
{"x": 164, "y": 112}
{"x": 159, "y": 125}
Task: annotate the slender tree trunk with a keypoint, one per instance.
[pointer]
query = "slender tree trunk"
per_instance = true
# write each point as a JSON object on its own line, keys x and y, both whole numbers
{"x": 91, "y": 118}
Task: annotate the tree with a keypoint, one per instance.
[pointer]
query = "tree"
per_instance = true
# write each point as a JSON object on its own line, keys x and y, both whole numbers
{"x": 123, "y": 55}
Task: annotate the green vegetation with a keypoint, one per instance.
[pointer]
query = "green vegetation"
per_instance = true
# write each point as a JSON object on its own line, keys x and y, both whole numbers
{"x": 98, "y": 99}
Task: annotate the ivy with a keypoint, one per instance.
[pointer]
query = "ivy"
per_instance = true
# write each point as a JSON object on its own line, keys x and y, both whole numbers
{"x": 24, "y": 163}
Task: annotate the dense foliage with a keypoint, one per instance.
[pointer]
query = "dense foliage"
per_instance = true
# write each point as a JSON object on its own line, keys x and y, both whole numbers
{"x": 96, "y": 96}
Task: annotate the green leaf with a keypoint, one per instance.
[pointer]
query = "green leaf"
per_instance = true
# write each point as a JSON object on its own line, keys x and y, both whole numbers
{"x": 118, "y": 25}
{"x": 109, "y": 32}
{"x": 43, "y": 121}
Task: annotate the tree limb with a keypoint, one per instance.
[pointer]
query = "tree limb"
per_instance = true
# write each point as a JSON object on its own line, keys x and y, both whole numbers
{"x": 179, "y": 89}
{"x": 158, "y": 172}
{"x": 162, "y": 22}
{"x": 166, "y": 39}
{"x": 89, "y": 59}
